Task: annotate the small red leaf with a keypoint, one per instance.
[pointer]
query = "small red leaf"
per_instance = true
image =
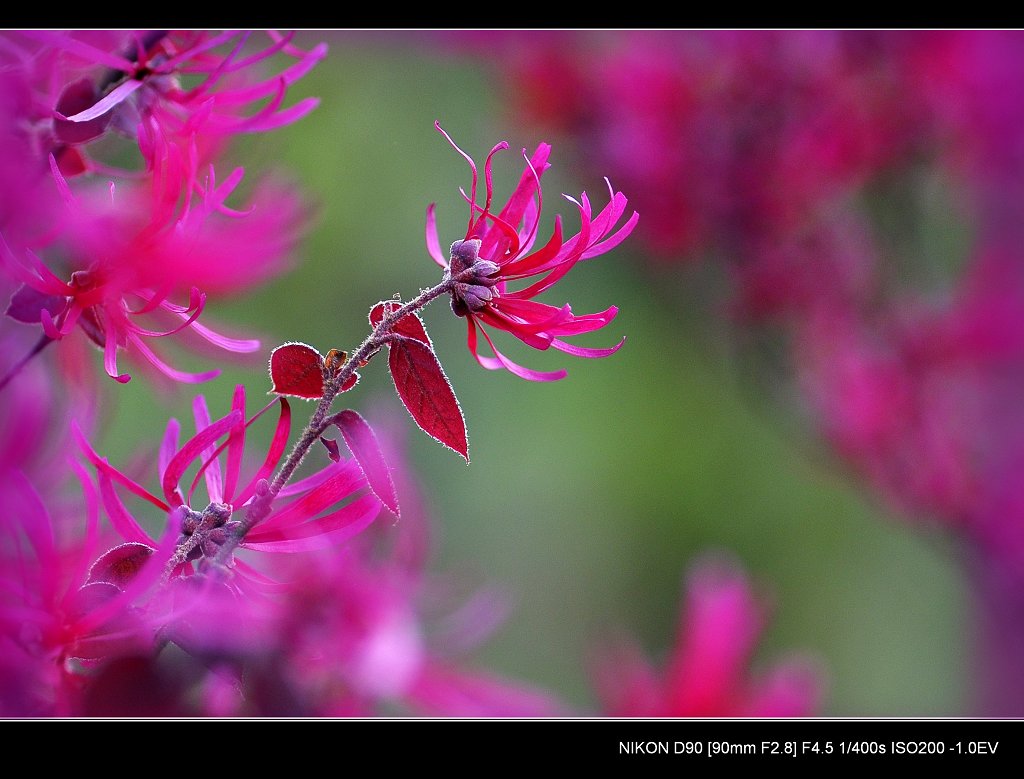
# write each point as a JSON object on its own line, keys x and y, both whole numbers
{"x": 296, "y": 369}
{"x": 427, "y": 393}
{"x": 119, "y": 565}
{"x": 367, "y": 452}
{"x": 410, "y": 325}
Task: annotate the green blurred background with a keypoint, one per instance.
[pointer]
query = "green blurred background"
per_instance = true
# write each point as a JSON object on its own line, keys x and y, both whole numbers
{"x": 586, "y": 499}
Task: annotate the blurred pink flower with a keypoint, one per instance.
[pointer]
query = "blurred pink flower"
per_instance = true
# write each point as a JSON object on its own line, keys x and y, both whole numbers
{"x": 739, "y": 144}
{"x": 132, "y": 81}
{"x": 497, "y": 247}
{"x": 358, "y": 643}
{"x": 706, "y": 672}
{"x": 361, "y": 630}
{"x": 863, "y": 190}
{"x": 37, "y": 83}
{"x": 129, "y": 253}
{"x": 133, "y": 261}
{"x": 62, "y": 608}
{"x": 296, "y": 523}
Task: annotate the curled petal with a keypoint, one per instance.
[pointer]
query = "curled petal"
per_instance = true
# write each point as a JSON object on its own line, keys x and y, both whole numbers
{"x": 110, "y": 353}
{"x": 190, "y": 451}
{"x": 239, "y": 345}
{"x": 198, "y": 301}
{"x": 167, "y": 370}
{"x": 583, "y": 351}
{"x": 501, "y": 361}
{"x": 433, "y": 243}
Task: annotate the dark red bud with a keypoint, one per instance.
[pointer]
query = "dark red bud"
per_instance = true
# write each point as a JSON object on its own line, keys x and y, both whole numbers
{"x": 218, "y": 513}
{"x": 464, "y": 255}
{"x": 475, "y": 296}
{"x": 81, "y": 279}
{"x": 190, "y": 521}
{"x": 217, "y": 535}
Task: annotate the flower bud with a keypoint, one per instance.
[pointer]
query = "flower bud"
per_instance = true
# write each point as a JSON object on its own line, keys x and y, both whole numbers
{"x": 464, "y": 255}
{"x": 219, "y": 513}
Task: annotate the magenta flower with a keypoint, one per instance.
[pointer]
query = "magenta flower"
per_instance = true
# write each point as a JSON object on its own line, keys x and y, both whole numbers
{"x": 132, "y": 82}
{"x": 39, "y": 83}
{"x": 359, "y": 644}
{"x": 130, "y": 252}
{"x": 323, "y": 509}
{"x": 129, "y": 263}
{"x": 497, "y": 247}
{"x": 737, "y": 144}
{"x": 706, "y": 673}
{"x": 363, "y": 630}
{"x": 62, "y": 609}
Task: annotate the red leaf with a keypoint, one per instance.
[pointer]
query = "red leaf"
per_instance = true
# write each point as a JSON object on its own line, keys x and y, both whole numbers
{"x": 367, "y": 452}
{"x": 410, "y": 325}
{"x": 427, "y": 393}
{"x": 119, "y": 565}
{"x": 296, "y": 369}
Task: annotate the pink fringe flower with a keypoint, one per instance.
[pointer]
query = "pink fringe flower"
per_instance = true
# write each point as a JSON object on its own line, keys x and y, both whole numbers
{"x": 362, "y": 630}
{"x": 706, "y": 672}
{"x": 297, "y": 523}
{"x": 134, "y": 85}
{"x": 497, "y": 247}
{"x": 137, "y": 262}
{"x": 62, "y": 609}
{"x": 131, "y": 252}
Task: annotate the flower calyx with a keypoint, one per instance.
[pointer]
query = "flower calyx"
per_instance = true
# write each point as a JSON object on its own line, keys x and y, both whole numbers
{"x": 474, "y": 286}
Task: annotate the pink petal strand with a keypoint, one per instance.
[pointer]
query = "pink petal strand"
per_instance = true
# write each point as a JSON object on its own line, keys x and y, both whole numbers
{"x": 342, "y": 483}
{"x": 278, "y": 444}
{"x": 115, "y": 97}
{"x": 192, "y": 450}
{"x": 210, "y": 470}
{"x": 330, "y": 530}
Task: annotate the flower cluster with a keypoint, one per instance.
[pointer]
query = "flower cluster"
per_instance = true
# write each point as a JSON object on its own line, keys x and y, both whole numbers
{"x": 862, "y": 190}
{"x": 744, "y": 147}
{"x": 125, "y": 255}
{"x": 240, "y": 570}
{"x": 496, "y": 250}
{"x": 330, "y": 624}
{"x": 705, "y": 674}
